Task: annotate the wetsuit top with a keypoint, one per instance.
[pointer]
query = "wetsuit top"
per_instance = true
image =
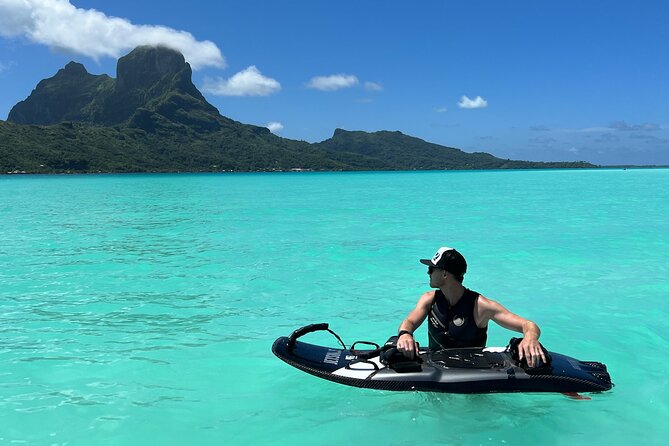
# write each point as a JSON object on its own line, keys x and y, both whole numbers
{"x": 455, "y": 327}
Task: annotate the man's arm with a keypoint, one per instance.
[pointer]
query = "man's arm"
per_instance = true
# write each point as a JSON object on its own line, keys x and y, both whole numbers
{"x": 529, "y": 347}
{"x": 406, "y": 343}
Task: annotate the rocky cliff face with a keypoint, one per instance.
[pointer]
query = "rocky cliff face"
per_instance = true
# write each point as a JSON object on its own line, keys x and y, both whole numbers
{"x": 150, "y": 80}
{"x": 147, "y": 66}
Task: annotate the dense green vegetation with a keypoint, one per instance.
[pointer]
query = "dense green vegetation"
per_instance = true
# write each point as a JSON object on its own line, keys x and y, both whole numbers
{"x": 394, "y": 150}
{"x": 151, "y": 118}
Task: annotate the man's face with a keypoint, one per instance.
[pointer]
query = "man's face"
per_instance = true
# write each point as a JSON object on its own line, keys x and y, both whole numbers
{"x": 436, "y": 276}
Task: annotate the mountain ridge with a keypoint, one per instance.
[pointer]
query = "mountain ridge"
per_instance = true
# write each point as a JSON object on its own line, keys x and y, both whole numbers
{"x": 152, "y": 118}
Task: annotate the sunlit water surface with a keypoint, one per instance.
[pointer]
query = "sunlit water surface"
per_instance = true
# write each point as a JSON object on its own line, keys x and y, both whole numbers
{"x": 141, "y": 309}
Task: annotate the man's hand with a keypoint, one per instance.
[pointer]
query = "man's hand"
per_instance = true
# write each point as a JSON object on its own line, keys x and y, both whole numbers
{"x": 531, "y": 349}
{"x": 407, "y": 345}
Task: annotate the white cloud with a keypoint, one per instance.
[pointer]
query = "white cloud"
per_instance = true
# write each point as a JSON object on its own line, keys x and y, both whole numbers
{"x": 539, "y": 128}
{"x": 477, "y": 102}
{"x": 624, "y": 126}
{"x": 332, "y": 83}
{"x": 61, "y": 25}
{"x": 589, "y": 130}
{"x": 441, "y": 109}
{"x": 373, "y": 86}
{"x": 274, "y": 127}
{"x": 249, "y": 82}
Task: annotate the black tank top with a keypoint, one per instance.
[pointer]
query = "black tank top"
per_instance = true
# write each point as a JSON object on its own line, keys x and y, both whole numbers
{"x": 455, "y": 327}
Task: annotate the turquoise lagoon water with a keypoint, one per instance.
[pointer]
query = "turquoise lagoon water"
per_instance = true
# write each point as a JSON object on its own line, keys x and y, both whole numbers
{"x": 141, "y": 309}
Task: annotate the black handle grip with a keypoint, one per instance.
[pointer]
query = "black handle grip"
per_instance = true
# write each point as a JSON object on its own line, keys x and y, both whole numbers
{"x": 304, "y": 330}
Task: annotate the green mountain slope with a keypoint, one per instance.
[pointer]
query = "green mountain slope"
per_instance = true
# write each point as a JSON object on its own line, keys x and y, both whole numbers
{"x": 394, "y": 150}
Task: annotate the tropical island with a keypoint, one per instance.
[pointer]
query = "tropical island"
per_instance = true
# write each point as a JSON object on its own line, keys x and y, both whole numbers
{"x": 152, "y": 118}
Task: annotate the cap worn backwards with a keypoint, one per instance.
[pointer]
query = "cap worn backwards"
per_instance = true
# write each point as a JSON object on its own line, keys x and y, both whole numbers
{"x": 449, "y": 260}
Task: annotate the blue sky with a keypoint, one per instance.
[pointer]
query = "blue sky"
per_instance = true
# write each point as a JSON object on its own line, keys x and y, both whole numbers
{"x": 534, "y": 80}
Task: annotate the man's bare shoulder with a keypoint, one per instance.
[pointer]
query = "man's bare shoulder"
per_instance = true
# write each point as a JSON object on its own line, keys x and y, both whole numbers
{"x": 486, "y": 304}
{"x": 427, "y": 298}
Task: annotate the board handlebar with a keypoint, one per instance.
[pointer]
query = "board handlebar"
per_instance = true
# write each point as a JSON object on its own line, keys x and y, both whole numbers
{"x": 305, "y": 330}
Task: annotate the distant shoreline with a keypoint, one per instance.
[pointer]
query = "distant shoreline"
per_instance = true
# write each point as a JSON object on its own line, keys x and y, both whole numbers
{"x": 298, "y": 171}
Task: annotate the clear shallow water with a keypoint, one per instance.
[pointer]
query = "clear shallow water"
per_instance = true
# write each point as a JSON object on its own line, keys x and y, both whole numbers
{"x": 141, "y": 309}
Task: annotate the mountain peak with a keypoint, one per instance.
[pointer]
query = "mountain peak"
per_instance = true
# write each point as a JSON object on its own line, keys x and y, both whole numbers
{"x": 147, "y": 65}
{"x": 74, "y": 69}
{"x": 62, "y": 97}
